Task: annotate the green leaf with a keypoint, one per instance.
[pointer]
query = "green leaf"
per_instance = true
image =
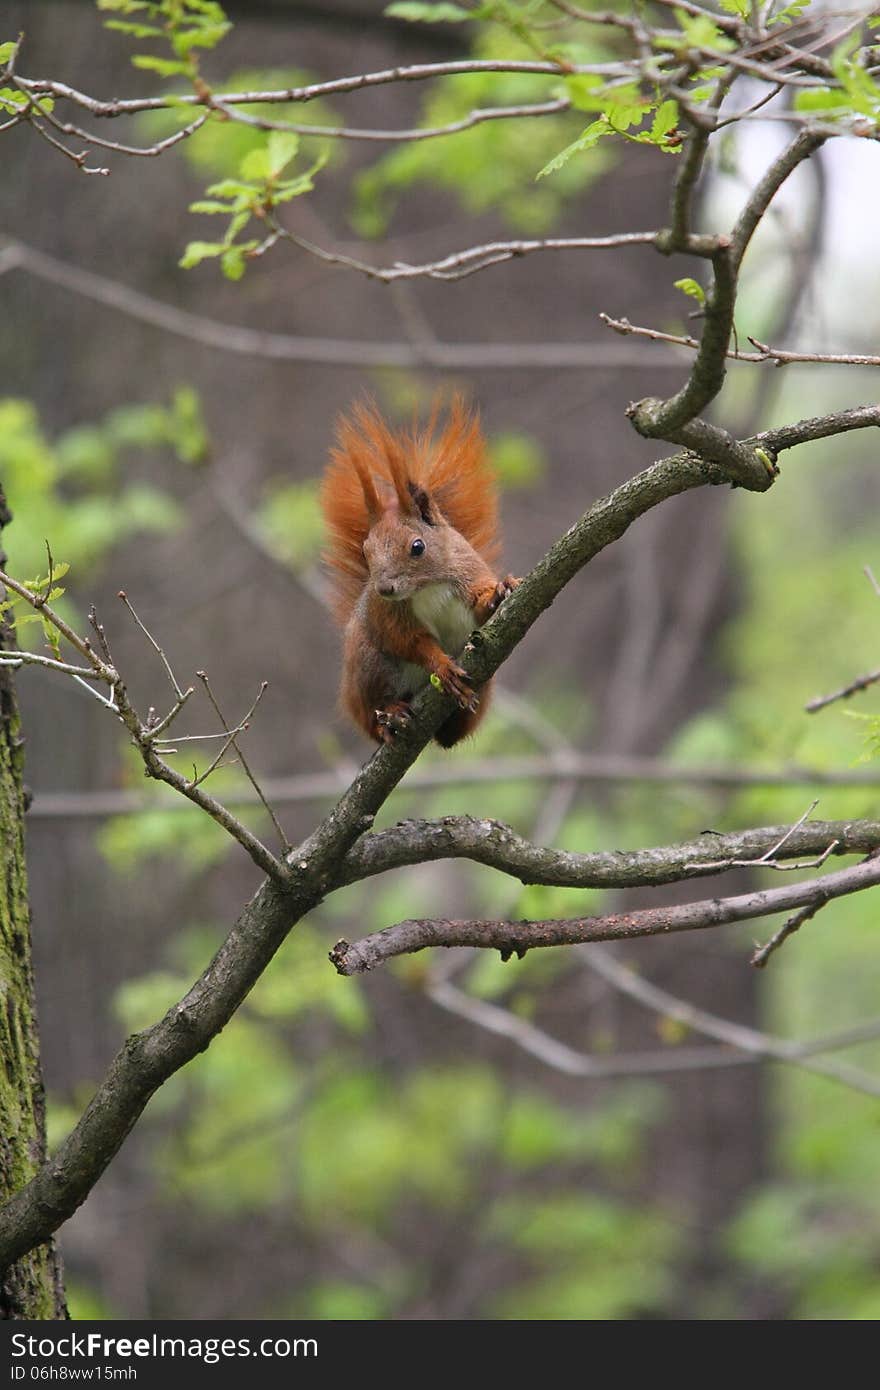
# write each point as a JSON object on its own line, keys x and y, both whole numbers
{"x": 198, "y": 251}
{"x": 239, "y": 221}
{"x": 255, "y": 165}
{"x": 688, "y": 286}
{"x": 590, "y": 137}
{"x": 188, "y": 434}
{"x": 794, "y": 11}
{"x": 206, "y": 36}
{"x": 304, "y": 183}
{"x": 742, "y": 8}
{"x": 862, "y": 91}
{"x": 210, "y": 205}
{"x": 665, "y": 120}
{"x": 165, "y": 67}
{"x": 6, "y": 51}
{"x": 428, "y": 14}
{"x": 585, "y": 91}
{"x": 697, "y": 31}
{"x": 12, "y": 100}
{"x": 138, "y": 31}
{"x": 281, "y": 148}
{"x": 234, "y": 259}
{"x": 52, "y": 637}
{"x": 231, "y": 188}
{"x": 821, "y": 99}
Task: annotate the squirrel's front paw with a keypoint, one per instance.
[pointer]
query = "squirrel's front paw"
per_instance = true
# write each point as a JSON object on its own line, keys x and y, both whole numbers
{"x": 505, "y": 587}
{"x": 392, "y": 720}
{"x": 502, "y": 590}
{"x": 454, "y": 681}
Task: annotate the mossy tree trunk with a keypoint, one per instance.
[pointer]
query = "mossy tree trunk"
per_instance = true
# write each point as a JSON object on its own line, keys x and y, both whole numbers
{"x": 32, "y": 1287}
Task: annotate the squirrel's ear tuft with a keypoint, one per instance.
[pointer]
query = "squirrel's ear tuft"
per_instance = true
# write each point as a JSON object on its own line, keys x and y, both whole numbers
{"x": 423, "y": 504}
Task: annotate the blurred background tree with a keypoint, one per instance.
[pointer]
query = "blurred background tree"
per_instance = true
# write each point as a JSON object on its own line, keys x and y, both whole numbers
{"x": 409, "y": 1144}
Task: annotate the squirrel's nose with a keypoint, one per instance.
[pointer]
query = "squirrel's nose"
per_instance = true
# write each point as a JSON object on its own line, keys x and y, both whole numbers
{"x": 387, "y": 590}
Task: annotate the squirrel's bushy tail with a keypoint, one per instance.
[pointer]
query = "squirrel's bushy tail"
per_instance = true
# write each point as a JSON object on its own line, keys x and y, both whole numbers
{"x": 372, "y": 466}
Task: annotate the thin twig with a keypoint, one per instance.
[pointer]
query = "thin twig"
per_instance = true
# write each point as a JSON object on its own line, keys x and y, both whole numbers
{"x": 860, "y": 683}
{"x": 102, "y": 699}
{"x": 794, "y": 923}
{"x": 78, "y": 159}
{"x": 16, "y": 659}
{"x": 98, "y": 629}
{"x": 153, "y": 643}
{"x": 460, "y": 264}
{"x": 736, "y": 1035}
{"x": 474, "y": 118}
{"x": 765, "y": 353}
{"x": 230, "y": 734}
{"x": 202, "y": 675}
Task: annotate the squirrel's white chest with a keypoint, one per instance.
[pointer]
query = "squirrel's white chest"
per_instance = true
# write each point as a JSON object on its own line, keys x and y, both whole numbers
{"x": 445, "y": 614}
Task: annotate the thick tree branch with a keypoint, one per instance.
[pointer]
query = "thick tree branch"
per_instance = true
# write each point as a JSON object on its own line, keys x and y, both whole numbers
{"x": 499, "y": 847}
{"x": 805, "y": 143}
{"x": 509, "y": 937}
{"x": 819, "y": 427}
{"x": 676, "y": 419}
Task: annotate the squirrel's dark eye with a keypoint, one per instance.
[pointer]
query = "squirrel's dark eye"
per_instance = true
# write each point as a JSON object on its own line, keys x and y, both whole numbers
{"x": 417, "y": 547}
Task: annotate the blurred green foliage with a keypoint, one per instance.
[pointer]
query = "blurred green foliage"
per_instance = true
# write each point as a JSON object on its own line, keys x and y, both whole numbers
{"x": 490, "y": 167}
{"x": 72, "y": 491}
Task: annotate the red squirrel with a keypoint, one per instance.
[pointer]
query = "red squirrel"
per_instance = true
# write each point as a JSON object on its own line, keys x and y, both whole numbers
{"x": 412, "y": 521}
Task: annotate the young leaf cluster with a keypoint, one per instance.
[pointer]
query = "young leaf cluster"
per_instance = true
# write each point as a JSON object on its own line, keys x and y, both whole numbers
{"x": 253, "y": 195}
{"x": 185, "y": 25}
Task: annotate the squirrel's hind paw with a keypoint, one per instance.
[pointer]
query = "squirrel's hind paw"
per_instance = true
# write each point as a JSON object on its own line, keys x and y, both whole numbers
{"x": 455, "y": 682}
{"x": 391, "y": 720}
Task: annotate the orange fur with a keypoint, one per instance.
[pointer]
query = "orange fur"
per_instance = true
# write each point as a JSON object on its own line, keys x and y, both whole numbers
{"x": 372, "y": 467}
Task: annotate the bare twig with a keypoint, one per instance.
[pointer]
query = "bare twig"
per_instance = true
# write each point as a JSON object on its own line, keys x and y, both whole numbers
{"x": 766, "y": 859}
{"x": 794, "y": 923}
{"x": 202, "y": 675}
{"x": 229, "y": 741}
{"x": 765, "y": 353}
{"x": 17, "y": 659}
{"x": 736, "y": 1035}
{"x": 781, "y": 356}
{"x": 144, "y": 733}
{"x": 473, "y": 118}
{"x": 741, "y": 1047}
{"x": 860, "y": 683}
{"x": 153, "y": 643}
{"x": 460, "y": 264}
